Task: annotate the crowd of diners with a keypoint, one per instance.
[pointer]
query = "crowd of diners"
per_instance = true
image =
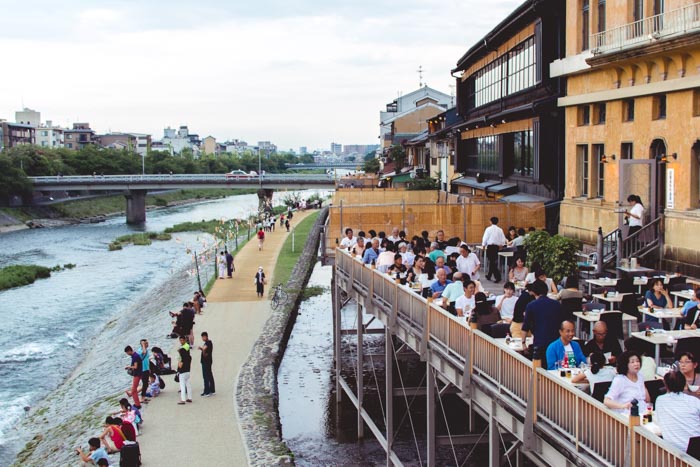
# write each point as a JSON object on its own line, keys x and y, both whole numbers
{"x": 536, "y": 310}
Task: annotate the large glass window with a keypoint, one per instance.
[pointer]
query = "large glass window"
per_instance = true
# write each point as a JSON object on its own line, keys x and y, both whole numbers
{"x": 522, "y": 152}
{"x": 510, "y": 73}
{"x": 585, "y": 24}
{"x": 601, "y": 15}
{"x": 599, "y": 169}
{"x": 628, "y": 110}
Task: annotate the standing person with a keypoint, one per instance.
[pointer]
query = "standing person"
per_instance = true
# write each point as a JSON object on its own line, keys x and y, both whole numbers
{"x": 542, "y": 317}
{"x": 260, "y": 281}
{"x": 635, "y": 215}
{"x": 207, "y": 349}
{"x": 468, "y": 262}
{"x": 134, "y": 370}
{"x": 145, "y": 357}
{"x": 286, "y": 224}
{"x": 221, "y": 263}
{"x": 183, "y": 368}
{"x": 493, "y": 241}
{"x": 261, "y": 239}
{"x": 229, "y": 263}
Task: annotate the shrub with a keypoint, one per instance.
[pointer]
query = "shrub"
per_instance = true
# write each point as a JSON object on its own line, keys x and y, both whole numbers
{"x": 556, "y": 255}
{"x": 19, "y": 275}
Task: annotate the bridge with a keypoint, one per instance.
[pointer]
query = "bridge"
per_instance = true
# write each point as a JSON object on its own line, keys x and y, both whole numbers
{"x": 326, "y": 166}
{"x": 135, "y": 187}
{"x": 529, "y": 412}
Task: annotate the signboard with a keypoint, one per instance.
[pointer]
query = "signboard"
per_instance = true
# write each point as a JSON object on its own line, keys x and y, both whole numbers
{"x": 670, "y": 192}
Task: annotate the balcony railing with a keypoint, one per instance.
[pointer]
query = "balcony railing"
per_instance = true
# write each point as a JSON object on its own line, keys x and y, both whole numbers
{"x": 647, "y": 30}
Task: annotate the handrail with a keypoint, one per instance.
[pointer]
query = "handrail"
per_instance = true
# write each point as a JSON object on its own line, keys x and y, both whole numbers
{"x": 647, "y": 30}
{"x": 104, "y": 179}
{"x": 642, "y": 240}
{"x": 583, "y": 423}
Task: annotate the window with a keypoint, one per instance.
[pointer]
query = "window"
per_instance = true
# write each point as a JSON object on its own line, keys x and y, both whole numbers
{"x": 583, "y": 167}
{"x": 69, "y": 136}
{"x": 522, "y": 152}
{"x": 626, "y": 151}
{"x": 599, "y": 116}
{"x": 512, "y": 72}
{"x": 584, "y": 115}
{"x": 659, "y": 107}
{"x": 628, "y": 110}
{"x": 696, "y": 102}
{"x": 69, "y": 145}
{"x": 637, "y": 17}
{"x": 599, "y": 170}
{"x": 601, "y": 15}
{"x": 585, "y": 24}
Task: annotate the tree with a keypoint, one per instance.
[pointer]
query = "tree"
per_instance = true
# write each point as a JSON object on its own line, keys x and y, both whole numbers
{"x": 13, "y": 181}
{"x": 371, "y": 166}
{"x": 398, "y": 155}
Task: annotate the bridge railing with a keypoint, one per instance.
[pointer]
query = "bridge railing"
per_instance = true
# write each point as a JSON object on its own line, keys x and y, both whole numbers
{"x": 578, "y": 420}
{"x": 175, "y": 178}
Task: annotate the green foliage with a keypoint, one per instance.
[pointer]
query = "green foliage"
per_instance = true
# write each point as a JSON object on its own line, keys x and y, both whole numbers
{"x": 160, "y": 202}
{"x": 201, "y": 226}
{"x": 13, "y": 181}
{"x": 371, "y": 165}
{"x": 426, "y": 183}
{"x": 556, "y": 255}
{"x": 140, "y": 239}
{"x": 288, "y": 258}
{"x": 398, "y": 154}
{"x": 19, "y": 275}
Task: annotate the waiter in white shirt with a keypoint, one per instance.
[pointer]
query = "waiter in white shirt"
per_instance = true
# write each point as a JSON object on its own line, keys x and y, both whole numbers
{"x": 493, "y": 241}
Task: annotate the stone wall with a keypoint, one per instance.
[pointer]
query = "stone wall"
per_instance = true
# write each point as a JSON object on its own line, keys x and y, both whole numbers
{"x": 256, "y": 395}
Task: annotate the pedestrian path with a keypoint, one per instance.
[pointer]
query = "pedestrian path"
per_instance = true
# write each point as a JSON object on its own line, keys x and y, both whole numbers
{"x": 206, "y": 432}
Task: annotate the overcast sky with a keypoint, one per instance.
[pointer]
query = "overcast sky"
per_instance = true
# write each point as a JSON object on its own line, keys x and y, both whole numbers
{"x": 295, "y": 72}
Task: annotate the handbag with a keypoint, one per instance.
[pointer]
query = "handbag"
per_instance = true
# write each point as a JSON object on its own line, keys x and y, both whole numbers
{"x": 130, "y": 371}
{"x": 177, "y": 377}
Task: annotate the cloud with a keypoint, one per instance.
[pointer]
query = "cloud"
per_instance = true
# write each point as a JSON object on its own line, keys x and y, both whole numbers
{"x": 295, "y": 72}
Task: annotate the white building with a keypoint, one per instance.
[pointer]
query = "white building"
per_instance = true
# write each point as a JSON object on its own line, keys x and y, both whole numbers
{"x": 420, "y": 97}
{"x": 28, "y": 117}
{"x": 49, "y": 136}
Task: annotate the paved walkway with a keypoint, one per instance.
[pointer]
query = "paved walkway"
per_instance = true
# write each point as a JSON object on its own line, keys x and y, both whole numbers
{"x": 206, "y": 432}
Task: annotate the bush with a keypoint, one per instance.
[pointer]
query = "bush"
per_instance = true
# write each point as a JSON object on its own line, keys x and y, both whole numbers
{"x": 556, "y": 255}
{"x": 537, "y": 245}
{"x": 161, "y": 202}
{"x": 19, "y": 275}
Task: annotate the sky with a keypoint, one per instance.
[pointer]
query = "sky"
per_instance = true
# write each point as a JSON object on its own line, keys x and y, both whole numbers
{"x": 294, "y": 72}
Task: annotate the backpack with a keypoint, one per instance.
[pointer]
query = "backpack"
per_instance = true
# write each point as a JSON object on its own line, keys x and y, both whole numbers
{"x": 130, "y": 455}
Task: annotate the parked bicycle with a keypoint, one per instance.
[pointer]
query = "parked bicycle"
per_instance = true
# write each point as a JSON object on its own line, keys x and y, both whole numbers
{"x": 279, "y": 296}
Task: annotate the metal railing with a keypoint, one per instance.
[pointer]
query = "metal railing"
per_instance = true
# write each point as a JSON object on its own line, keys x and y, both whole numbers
{"x": 584, "y": 426}
{"x": 175, "y": 178}
{"x": 642, "y": 241}
{"x": 647, "y": 30}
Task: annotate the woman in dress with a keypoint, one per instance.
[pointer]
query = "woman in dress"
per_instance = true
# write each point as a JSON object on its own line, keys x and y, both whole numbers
{"x": 221, "y": 263}
{"x": 260, "y": 282}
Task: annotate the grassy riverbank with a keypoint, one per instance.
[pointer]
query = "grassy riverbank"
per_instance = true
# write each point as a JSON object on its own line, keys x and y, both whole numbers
{"x": 288, "y": 258}
{"x": 25, "y": 274}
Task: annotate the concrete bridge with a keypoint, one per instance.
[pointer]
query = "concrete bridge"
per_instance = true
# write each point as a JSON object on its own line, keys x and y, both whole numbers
{"x": 135, "y": 187}
{"x": 339, "y": 165}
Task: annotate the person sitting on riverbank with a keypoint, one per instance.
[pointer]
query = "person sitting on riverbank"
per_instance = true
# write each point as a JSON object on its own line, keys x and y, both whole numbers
{"x": 153, "y": 386}
{"x": 96, "y": 452}
{"x": 112, "y": 437}
{"x": 161, "y": 363}
{"x": 184, "y": 321}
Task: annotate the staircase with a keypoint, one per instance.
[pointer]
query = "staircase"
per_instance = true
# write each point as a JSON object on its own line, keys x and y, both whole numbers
{"x": 612, "y": 247}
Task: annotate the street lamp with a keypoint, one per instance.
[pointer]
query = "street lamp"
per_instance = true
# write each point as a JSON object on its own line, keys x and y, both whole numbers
{"x": 259, "y": 168}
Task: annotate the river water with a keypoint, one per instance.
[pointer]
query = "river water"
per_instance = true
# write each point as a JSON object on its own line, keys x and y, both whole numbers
{"x": 87, "y": 315}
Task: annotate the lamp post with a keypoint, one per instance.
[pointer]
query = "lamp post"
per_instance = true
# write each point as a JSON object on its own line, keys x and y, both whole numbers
{"x": 143, "y": 164}
{"x": 259, "y": 168}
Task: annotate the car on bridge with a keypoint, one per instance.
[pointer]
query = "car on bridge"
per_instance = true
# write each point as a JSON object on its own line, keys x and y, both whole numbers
{"x": 241, "y": 175}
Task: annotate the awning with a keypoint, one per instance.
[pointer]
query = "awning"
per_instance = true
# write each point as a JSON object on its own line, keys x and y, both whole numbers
{"x": 525, "y": 198}
{"x": 402, "y": 178}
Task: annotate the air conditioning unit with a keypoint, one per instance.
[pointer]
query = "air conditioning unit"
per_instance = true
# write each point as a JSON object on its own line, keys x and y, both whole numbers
{"x": 413, "y": 174}
{"x": 383, "y": 160}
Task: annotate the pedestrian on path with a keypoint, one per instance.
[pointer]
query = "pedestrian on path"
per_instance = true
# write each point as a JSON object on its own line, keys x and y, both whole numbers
{"x": 286, "y": 224}
{"x": 183, "y": 369}
{"x": 221, "y": 263}
{"x": 229, "y": 263}
{"x": 207, "y": 349}
{"x": 260, "y": 281}
{"x": 134, "y": 369}
{"x": 261, "y": 239}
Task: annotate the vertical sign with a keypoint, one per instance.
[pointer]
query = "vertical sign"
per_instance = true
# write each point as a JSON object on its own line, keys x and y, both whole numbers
{"x": 670, "y": 193}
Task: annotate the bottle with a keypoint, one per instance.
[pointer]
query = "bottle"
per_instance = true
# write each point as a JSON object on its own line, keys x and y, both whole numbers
{"x": 507, "y": 338}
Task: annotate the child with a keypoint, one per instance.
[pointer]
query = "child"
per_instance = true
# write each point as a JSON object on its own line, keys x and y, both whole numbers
{"x": 153, "y": 386}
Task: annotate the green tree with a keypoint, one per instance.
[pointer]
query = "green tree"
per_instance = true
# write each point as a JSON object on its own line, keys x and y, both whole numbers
{"x": 371, "y": 166}
{"x": 13, "y": 181}
{"x": 398, "y": 155}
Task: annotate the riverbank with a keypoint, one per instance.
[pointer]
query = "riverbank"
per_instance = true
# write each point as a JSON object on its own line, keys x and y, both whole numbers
{"x": 98, "y": 209}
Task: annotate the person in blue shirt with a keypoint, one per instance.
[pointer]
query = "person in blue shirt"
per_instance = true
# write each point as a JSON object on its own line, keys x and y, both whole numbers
{"x": 692, "y": 303}
{"x": 371, "y": 253}
{"x": 96, "y": 452}
{"x": 542, "y": 316}
{"x": 439, "y": 285}
{"x": 658, "y": 298}
{"x": 565, "y": 347}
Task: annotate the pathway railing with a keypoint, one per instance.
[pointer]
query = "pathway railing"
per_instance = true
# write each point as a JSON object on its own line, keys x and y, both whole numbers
{"x": 581, "y": 424}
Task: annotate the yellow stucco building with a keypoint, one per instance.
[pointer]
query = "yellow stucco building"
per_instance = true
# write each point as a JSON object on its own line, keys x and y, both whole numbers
{"x": 632, "y": 116}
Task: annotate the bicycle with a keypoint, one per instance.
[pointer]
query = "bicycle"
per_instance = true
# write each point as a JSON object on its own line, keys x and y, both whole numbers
{"x": 279, "y": 296}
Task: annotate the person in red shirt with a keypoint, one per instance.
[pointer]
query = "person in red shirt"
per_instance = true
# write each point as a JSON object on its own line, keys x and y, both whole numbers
{"x": 261, "y": 239}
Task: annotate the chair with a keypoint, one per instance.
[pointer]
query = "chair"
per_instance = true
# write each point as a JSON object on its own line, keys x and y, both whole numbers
{"x": 589, "y": 266}
{"x": 687, "y": 344}
{"x": 650, "y": 325}
{"x": 497, "y": 330}
{"x": 600, "y": 389}
{"x": 655, "y": 388}
{"x": 592, "y": 306}
{"x": 568, "y": 306}
{"x": 629, "y": 305}
{"x": 613, "y": 319}
{"x": 676, "y": 280}
{"x": 694, "y": 447}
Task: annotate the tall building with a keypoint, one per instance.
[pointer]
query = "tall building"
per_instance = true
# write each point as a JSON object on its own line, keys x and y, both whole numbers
{"x": 336, "y": 148}
{"x": 16, "y": 134}
{"x": 28, "y": 116}
{"x": 49, "y": 136}
{"x": 79, "y": 136}
{"x": 303, "y": 150}
{"x": 633, "y": 125}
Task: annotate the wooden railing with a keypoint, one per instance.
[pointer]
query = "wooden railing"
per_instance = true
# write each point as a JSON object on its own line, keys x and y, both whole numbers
{"x": 644, "y": 240}
{"x": 578, "y": 420}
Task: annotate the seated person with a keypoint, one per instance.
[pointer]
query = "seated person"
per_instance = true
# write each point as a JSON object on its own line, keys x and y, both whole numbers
{"x": 454, "y": 290}
{"x": 518, "y": 272}
{"x": 627, "y": 385}
{"x": 112, "y": 437}
{"x": 397, "y": 266}
{"x": 542, "y": 276}
{"x": 648, "y": 370}
{"x": 128, "y": 428}
{"x": 161, "y": 364}
{"x": 406, "y": 254}
{"x": 692, "y": 318}
{"x": 484, "y": 314}
{"x": 436, "y": 252}
{"x": 439, "y": 285}
{"x": 565, "y": 348}
{"x": 692, "y": 303}
{"x": 465, "y": 304}
{"x": 96, "y": 452}
{"x": 153, "y": 385}
{"x": 677, "y": 413}
{"x": 505, "y": 304}
{"x": 602, "y": 342}
{"x": 571, "y": 290}
{"x": 657, "y": 297}
{"x": 440, "y": 264}
{"x": 596, "y": 373}
{"x": 519, "y": 312}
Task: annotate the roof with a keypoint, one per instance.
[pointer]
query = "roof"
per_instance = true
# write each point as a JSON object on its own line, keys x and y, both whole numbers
{"x": 422, "y": 91}
{"x": 525, "y": 198}
{"x": 411, "y": 110}
{"x": 421, "y": 138}
{"x": 495, "y": 37}
{"x": 492, "y": 186}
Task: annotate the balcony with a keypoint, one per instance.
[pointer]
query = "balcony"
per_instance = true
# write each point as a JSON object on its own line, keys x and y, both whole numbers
{"x": 647, "y": 30}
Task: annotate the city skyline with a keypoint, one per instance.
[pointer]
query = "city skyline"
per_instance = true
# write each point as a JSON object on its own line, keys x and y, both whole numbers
{"x": 301, "y": 75}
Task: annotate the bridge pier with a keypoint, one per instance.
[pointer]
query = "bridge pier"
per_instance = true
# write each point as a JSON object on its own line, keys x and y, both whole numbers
{"x": 265, "y": 200}
{"x": 135, "y": 206}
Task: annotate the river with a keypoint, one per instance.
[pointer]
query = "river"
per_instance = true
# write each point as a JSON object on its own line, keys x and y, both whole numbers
{"x": 86, "y": 315}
